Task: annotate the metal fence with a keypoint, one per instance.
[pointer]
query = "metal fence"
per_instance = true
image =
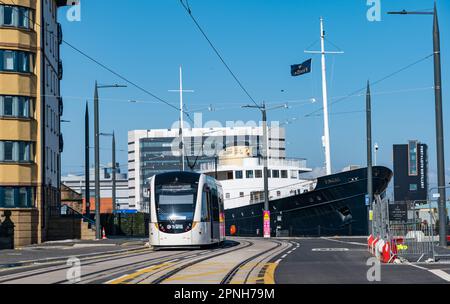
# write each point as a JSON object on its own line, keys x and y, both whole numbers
{"x": 413, "y": 241}
{"x": 410, "y": 234}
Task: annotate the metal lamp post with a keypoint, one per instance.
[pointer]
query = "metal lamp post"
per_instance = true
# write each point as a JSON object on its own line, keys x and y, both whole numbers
{"x": 265, "y": 156}
{"x": 97, "y": 155}
{"x": 439, "y": 122}
{"x": 113, "y": 176}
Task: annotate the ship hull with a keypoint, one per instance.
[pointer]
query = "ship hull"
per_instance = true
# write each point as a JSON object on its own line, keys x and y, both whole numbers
{"x": 335, "y": 207}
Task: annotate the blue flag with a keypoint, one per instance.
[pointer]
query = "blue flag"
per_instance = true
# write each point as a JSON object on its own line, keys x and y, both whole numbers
{"x": 300, "y": 69}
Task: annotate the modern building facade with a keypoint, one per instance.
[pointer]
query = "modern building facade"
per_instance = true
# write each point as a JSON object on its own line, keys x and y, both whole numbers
{"x": 156, "y": 151}
{"x": 78, "y": 184}
{"x": 411, "y": 171}
{"x": 30, "y": 111}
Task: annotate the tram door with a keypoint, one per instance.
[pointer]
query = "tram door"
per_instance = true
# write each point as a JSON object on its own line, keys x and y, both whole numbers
{"x": 215, "y": 214}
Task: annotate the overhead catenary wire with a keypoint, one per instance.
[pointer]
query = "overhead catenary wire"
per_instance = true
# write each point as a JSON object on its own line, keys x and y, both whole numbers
{"x": 189, "y": 11}
{"x": 374, "y": 83}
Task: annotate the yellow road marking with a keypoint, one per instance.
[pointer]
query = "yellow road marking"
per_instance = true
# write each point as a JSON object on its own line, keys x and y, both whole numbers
{"x": 189, "y": 276}
{"x": 269, "y": 275}
{"x": 138, "y": 273}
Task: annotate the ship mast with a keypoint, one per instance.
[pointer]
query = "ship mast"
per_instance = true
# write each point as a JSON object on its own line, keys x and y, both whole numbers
{"x": 326, "y": 136}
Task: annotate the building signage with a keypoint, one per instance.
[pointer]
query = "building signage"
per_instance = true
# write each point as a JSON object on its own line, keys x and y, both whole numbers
{"x": 266, "y": 224}
{"x": 398, "y": 212}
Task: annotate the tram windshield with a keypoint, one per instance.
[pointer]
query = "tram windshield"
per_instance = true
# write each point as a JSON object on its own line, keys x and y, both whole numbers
{"x": 175, "y": 201}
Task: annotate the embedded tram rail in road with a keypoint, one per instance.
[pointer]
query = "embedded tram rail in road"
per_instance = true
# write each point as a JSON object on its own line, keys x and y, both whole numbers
{"x": 245, "y": 263}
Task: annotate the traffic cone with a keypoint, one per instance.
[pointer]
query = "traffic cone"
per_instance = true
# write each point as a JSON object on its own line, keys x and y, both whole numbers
{"x": 104, "y": 234}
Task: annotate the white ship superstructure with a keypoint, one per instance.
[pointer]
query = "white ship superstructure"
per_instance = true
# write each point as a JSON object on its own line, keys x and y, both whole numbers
{"x": 241, "y": 176}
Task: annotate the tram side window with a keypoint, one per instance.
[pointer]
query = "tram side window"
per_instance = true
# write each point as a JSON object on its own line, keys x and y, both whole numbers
{"x": 206, "y": 203}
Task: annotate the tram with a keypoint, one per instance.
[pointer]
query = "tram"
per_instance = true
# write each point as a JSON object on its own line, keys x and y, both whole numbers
{"x": 186, "y": 210}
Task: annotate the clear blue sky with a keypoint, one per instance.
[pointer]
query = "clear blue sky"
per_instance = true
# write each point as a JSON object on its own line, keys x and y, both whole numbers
{"x": 147, "y": 40}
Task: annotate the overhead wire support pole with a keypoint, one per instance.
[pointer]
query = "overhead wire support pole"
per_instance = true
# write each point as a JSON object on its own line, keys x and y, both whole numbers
{"x": 439, "y": 122}
{"x": 97, "y": 155}
{"x": 87, "y": 194}
{"x": 326, "y": 136}
{"x": 369, "y": 158}
{"x": 265, "y": 152}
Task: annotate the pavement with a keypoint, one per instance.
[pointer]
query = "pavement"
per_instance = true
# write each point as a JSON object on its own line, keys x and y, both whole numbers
{"x": 344, "y": 261}
{"x": 61, "y": 250}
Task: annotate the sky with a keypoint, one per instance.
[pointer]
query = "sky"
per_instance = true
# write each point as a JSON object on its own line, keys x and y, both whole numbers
{"x": 147, "y": 41}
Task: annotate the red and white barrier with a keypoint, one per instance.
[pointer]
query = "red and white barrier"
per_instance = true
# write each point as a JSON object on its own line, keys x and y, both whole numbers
{"x": 381, "y": 249}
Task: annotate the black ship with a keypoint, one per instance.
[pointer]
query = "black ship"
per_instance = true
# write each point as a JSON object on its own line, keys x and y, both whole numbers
{"x": 336, "y": 206}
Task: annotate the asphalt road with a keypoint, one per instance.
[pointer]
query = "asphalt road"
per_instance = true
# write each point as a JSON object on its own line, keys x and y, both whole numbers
{"x": 343, "y": 261}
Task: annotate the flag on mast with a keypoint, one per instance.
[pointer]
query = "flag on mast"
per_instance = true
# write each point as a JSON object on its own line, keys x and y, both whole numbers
{"x": 300, "y": 69}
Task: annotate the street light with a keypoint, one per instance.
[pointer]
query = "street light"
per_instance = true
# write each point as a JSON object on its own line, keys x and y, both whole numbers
{"x": 376, "y": 151}
{"x": 97, "y": 155}
{"x": 266, "y": 215}
{"x": 439, "y": 122}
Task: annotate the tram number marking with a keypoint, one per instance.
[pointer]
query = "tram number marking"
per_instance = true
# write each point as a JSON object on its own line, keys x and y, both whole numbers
{"x": 251, "y": 293}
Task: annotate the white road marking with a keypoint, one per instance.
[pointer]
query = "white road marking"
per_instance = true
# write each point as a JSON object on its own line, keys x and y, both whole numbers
{"x": 278, "y": 262}
{"x": 437, "y": 272}
{"x": 172, "y": 261}
{"x": 329, "y": 249}
{"x": 339, "y": 241}
{"x": 440, "y": 273}
{"x": 284, "y": 256}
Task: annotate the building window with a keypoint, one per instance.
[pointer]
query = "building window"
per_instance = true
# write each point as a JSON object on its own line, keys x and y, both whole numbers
{"x": 16, "y": 151}
{"x": 258, "y": 173}
{"x": 241, "y": 194}
{"x": 276, "y": 173}
{"x": 15, "y": 16}
{"x": 227, "y": 195}
{"x": 412, "y": 157}
{"x": 15, "y": 106}
{"x": 284, "y": 174}
{"x": 16, "y": 197}
{"x": 412, "y": 187}
{"x": 16, "y": 61}
{"x": 238, "y": 174}
{"x": 249, "y": 174}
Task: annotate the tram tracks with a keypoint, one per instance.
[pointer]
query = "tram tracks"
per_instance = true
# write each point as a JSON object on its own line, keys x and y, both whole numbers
{"x": 262, "y": 256}
{"x": 176, "y": 270}
{"x": 183, "y": 266}
{"x": 61, "y": 266}
{"x": 158, "y": 274}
